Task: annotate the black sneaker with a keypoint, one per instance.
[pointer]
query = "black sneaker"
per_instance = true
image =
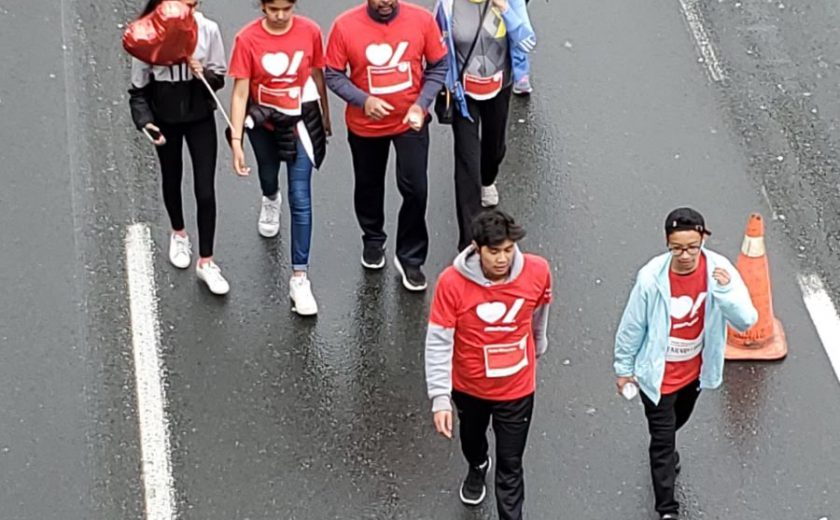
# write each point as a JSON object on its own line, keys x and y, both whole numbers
{"x": 677, "y": 465}
{"x": 473, "y": 489}
{"x": 413, "y": 278}
{"x": 373, "y": 256}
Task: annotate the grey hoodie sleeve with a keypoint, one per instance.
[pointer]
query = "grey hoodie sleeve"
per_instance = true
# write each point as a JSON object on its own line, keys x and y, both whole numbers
{"x": 440, "y": 344}
{"x": 540, "y": 322}
{"x": 214, "y": 66}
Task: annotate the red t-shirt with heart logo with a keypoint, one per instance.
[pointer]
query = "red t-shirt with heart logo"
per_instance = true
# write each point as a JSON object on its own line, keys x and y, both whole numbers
{"x": 494, "y": 355}
{"x": 683, "y": 359}
{"x": 278, "y": 65}
{"x": 385, "y": 60}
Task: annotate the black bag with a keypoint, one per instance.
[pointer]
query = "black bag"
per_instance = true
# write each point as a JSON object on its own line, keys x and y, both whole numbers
{"x": 444, "y": 109}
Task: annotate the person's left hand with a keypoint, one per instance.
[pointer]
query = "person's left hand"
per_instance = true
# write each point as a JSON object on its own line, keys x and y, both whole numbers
{"x": 325, "y": 119}
{"x": 415, "y": 117}
{"x": 722, "y": 276}
{"x": 196, "y": 67}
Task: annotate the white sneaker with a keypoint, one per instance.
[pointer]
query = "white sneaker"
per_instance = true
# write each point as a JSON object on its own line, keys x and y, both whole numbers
{"x": 180, "y": 251}
{"x": 300, "y": 291}
{"x": 209, "y": 273}
{"x": 269, "y": 223}
{"x": 489, "y": 196}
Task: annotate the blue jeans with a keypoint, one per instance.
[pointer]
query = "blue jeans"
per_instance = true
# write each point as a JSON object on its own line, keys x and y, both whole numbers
{"x": 300, "y": 190}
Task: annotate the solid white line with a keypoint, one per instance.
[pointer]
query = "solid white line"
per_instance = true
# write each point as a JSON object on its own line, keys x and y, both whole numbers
{"x": 151, "y": 401}
{"x": 824, "y": 315}
{"x": 707, "y": 50}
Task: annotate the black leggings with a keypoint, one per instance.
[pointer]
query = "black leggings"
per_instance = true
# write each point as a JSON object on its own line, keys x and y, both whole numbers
{"x": 203, "y": 147}
{"x": 480, "y": 147}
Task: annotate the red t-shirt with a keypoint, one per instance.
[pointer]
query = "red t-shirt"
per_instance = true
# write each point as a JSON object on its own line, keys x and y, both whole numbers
{"x": 386, "y": 61}
{"x": 278, "y": 65}
{"x": 684, "y": 359}
{"x": 494, "y": 353}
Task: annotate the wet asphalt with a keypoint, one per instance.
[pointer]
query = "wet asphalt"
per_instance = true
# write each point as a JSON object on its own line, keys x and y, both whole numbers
{"x": 279, "y": 417}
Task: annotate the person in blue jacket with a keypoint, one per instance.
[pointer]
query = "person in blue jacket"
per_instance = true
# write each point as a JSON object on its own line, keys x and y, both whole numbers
{"x": 480, "y": 36}
{"x": 672, "y": 338}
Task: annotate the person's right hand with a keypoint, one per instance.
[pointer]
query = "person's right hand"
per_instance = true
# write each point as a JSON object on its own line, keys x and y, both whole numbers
{"x": 160, "y": 141}
{"x": 376, "y": 108}
{"x": 239, "y": 165}
{"x": 443, "y": 423}
{"x": 621, "y": 381}
{"x": 501, "y": 5}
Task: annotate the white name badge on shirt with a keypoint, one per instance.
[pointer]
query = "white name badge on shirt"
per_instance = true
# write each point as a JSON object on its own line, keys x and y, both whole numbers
{"x": 389, "y": 79}
{"x": 285, "y": 100}
{"x": 480, "y": 88}
{"x": 505, "y": 360}
{"x": 683, "y": 349}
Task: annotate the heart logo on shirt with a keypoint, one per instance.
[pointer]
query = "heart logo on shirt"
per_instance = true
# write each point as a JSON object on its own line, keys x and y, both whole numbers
{"x": 685, "y": 305}
{"x": 491, "y": 312}
{"x": 379, "y": 54}
{"x": 680, "y": 307}
{"x": 275, "y": 64}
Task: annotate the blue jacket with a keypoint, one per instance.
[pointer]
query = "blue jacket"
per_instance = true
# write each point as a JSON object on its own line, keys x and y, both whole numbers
{"x": 519, "y": 34}
{"x": 642, "y": 338}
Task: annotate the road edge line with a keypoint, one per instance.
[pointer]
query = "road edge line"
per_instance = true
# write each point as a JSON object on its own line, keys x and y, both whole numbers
{"x": 824, "y": 316}
{"x": 701, "y": 38}
{"x": 158, "y": 488}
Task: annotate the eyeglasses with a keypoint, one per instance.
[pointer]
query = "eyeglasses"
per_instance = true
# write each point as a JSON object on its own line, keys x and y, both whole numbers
{"x": 679, "y": 250}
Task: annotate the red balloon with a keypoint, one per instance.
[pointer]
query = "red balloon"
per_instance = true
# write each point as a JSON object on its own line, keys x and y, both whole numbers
{"x": 166, "y": 36}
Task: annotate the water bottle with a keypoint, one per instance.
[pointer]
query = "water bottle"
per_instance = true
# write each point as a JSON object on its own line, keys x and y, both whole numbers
{"x": 630, "y": 390}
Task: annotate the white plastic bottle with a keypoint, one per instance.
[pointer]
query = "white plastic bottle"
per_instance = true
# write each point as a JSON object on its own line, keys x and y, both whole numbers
{"x": 630, "y": 390}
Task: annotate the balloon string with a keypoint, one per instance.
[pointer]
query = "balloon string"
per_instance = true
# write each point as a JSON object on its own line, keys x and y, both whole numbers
{"x": 216, "y": 99}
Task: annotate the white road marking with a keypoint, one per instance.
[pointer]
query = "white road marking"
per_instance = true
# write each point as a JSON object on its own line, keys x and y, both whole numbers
{"x": 824, "y": 315}
{"x": 151, "y": 401}
{"x": 707, "y": 50}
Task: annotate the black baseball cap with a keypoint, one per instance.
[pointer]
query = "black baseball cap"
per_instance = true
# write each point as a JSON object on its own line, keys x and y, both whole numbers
{"x": 685, "y": 219}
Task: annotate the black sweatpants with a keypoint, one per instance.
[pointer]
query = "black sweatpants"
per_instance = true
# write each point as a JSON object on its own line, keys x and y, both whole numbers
{"x": 511, "y": 422}
{"x": 203, "y": 147}
{"x": 480, "y": 147}
{"x": 370, "y": 162}
{"x": 664, "y": 420}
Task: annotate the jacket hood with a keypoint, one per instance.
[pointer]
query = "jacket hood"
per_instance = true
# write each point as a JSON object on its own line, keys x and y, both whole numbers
{"x": 468, "y": 263}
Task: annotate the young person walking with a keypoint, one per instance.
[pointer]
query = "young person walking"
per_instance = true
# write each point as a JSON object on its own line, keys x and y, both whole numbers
{"x": 385, "y": 58}
{"x": 672, "y": 338}
{"x": 487, "y": 327}
{"x": 277, "y": 65}
{"x": 482, "y": 35}
{"x": 172, "y": 105}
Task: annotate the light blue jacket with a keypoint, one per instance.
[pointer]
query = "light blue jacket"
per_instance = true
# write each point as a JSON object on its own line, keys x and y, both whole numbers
{"x": 519, "y": 34}
{"x": 642, "y": 338}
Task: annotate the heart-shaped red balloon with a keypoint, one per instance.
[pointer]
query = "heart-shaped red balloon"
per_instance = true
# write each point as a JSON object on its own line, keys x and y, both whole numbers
{"x": 166, "y": 36}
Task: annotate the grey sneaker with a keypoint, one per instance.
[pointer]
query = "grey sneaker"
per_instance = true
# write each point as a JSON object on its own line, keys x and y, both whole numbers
{"x": 523, "y": 86}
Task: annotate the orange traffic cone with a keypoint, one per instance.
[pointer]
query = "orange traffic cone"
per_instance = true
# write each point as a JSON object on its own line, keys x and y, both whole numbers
{"x": 765, "y": 341}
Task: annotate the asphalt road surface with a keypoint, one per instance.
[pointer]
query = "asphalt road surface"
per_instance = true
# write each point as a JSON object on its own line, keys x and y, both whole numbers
{"x": 730, "y": 107}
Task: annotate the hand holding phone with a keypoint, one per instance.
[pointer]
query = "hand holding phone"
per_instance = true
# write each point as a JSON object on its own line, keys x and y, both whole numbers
{"x": 154, "y": 134}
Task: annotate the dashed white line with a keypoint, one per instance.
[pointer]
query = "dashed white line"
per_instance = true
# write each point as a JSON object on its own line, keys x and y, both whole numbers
{"x": 707, "y": 50}
{"x": 151, "y": 401}
{"x": 824, "y": 315}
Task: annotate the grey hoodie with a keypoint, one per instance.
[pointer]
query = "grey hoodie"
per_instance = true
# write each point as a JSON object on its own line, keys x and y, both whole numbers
{"x": 440, "y": 341}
